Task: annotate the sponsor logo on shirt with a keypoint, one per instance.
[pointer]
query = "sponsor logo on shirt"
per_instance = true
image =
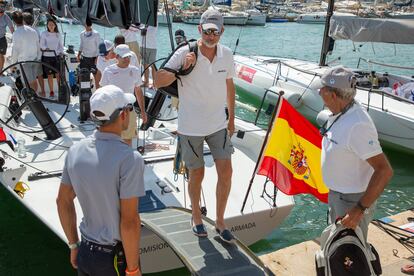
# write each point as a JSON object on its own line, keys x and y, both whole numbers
{"x": 371, "y": 142}
{"x": 222, "y": 71}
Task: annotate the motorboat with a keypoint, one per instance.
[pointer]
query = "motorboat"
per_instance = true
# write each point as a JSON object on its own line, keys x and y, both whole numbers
{"x": 391, "y": 110}
{"x": 255, "y": 18}
{"x": 317, "y": 17}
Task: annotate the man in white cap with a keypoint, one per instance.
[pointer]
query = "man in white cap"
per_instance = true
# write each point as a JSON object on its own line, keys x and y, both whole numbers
{"x": 128, "y": 78}
{"x": 204, "y": 94}
{"x": 354, "y": 167}
{"x": 106, "y": 58}
{"x": 107, "y": 177}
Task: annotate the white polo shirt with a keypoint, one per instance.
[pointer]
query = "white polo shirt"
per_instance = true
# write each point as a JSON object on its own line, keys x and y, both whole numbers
{"x": 203, "y": 93}
{"x": 125, "y": 78}
{"x": 150, "y": 38}
{"x": 102, "y": 63}
{"x": 347, "y": 145}
{"x": 89, "y": 43}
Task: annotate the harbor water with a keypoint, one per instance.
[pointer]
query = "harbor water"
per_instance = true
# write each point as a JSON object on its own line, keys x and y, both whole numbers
{"x": 28, "y": 247}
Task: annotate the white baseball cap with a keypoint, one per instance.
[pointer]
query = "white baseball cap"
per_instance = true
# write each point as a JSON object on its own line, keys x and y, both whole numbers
{"x": 336, "y": 77}
{"x": 107, "y": 100}
{"x": 123, "y": 51}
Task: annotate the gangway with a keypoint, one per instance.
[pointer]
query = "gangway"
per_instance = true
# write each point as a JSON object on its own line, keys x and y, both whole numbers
{"x": 202, "y": 256}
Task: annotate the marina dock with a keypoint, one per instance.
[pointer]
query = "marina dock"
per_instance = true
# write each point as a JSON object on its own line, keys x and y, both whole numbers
{"x": 299, "y": 259}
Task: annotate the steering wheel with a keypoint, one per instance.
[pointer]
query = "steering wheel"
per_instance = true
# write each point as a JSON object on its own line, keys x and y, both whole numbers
{"x": 27, "y": 96}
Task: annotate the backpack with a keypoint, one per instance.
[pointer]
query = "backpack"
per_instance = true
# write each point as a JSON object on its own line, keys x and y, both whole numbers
{"x": 344, "y": 252}
{"x": 172, "y": 89}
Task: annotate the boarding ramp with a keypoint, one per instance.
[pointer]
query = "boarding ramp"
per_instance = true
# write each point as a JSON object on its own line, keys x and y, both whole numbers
{"x": 202, "y": 256}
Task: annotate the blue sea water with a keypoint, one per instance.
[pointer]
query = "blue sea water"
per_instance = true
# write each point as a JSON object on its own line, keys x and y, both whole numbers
{"x": 28, "y": 247}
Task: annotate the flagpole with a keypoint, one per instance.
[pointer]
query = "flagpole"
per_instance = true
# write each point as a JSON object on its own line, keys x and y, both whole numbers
{"x": 275, "y": 111}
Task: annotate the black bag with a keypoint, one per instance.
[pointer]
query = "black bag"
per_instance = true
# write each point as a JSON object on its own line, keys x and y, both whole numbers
{"x": 344, "y": 252}
{"x": 172, "y": 89}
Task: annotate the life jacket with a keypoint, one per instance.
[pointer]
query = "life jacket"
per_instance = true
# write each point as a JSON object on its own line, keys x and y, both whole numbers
{"x": 172, "y": 89}
{"x": 344, "y": 252}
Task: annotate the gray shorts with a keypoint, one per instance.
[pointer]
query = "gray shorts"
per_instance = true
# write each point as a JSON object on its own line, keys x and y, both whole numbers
{"x": 340, "y": 203}
{"x": 148, "y": 55}
{"x": 192, "y": 148}
{"x": 31, "y": 69}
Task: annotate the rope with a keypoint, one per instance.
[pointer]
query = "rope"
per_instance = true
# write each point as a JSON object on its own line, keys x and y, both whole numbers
{"x": 404, "y": 239}
{"x": 387, "y": 65}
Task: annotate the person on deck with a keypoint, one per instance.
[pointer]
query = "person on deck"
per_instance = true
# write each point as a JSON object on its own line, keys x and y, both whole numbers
{"x": 106, "y": 58}
{"x": 22, "y": 37}
{"x": 128, "y": 78}
{"x": 5, "y": 21}
{"x": 202, "y": 114}
{"x": 51, "y": 45}
{"x": 130, "y": 35}
{"x": 148, "y": 50}
{"x": 89, "y": 49}
{"x": 107, "y": 177}
{"x": 179, "y": 37}
{"x": 120, "y": 39}
{"x": 28, "y": 21}
{"x": 354, "y": 167}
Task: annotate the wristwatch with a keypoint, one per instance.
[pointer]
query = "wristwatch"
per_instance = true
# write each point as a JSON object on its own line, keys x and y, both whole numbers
{"x": 362, "y": 207}
{"x": 73, "y": 245}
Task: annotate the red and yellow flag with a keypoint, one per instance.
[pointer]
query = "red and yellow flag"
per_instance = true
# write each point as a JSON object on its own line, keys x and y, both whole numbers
{"x": 292, "y": 157}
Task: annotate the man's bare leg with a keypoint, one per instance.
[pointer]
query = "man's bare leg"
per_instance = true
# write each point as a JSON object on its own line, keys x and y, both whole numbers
{"x": 224, "y": 173}
{"x": 1, "y": 62}
{"x": 194, "y": 190}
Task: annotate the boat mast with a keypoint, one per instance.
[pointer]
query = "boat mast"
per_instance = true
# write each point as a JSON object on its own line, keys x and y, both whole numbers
{"x": 325, "y": 43}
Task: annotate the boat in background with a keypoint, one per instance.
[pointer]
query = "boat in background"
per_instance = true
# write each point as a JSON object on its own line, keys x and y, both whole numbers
{"x": 263, "y": 78}
{"x": 162, "y": 19}
{"x": 317, "y": 17}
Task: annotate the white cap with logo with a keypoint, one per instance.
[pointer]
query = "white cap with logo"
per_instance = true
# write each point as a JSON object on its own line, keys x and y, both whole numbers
{"x": 211, "y": 19}
{"x": 336, "y": 77}
{"x": 123, "y": 51}
{"x": 107, "y": 100}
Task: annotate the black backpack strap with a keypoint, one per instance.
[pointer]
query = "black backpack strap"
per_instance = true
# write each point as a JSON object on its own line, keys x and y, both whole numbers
{"x": 193, "y": 46}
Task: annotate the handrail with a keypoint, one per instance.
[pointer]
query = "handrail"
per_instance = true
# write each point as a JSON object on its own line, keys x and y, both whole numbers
{"x": 261, "y": 104}
{"x": 383, "y": 93}
{"x": 384, "y": 64}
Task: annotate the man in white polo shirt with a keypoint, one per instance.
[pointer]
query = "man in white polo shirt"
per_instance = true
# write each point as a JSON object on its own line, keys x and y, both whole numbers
{"x": 202, "y": 116}
{"x": 354, "y": 167}
{"x": 128, "y": 78}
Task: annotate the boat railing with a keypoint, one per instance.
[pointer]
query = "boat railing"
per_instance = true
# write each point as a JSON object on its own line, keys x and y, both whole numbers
{"x": 259, "y": 110}
{"x": 383, "y": 64}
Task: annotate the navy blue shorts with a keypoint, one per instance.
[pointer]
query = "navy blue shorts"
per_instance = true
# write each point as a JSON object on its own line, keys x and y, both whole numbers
{"x": 96, "y": 260}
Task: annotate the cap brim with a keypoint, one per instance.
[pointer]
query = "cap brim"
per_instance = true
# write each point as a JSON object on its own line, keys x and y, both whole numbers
{"x": 316, "y": 84}
{"x": 126, "y": 55}
{"x": 130, "y": 98}
{"x": 207, "y": 26}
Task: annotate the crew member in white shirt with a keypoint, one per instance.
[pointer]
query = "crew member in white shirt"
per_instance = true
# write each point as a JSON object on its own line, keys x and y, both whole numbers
{"x": 204, "y": 95}
{"x": 128, "y": 78}
{"x": 28, "y": 21}
{"x": 5, "y": 21}
{"x": 106, "y": 58}
{"x": 22, "y": 38}
{"x": 89, "y": 48}
{"x": 130, "y": 35}
{"x": 148, "y": 50}
{"x": 134, "y": 61}
{"x": 51, "y": 46}
{"x": 354, "y": 167}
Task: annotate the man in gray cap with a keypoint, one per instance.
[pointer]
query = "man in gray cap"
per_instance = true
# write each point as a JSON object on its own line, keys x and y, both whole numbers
{"x": 354, "y": 167}
{"x": 204, "y": 94}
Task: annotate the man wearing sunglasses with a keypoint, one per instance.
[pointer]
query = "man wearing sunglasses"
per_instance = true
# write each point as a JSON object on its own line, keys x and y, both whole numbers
{"x": 107, "y": 177}
{"x": 354, "y": 167}
{"x": 5, "y": 21}
{"x": 204, "y": 95}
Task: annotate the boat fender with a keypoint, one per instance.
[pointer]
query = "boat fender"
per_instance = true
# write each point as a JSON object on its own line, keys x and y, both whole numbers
{"x": 172, "y": 89}
{"x": 294, "y": 98}
{"x": 322, "y": 117}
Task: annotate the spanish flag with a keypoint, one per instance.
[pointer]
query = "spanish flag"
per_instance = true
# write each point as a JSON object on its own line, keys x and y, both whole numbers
{"x": 292, "y": 156}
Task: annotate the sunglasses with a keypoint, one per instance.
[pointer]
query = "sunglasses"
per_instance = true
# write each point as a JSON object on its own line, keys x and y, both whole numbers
{"x": 114, "y": 115}
{"x": 212, "y": 32}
